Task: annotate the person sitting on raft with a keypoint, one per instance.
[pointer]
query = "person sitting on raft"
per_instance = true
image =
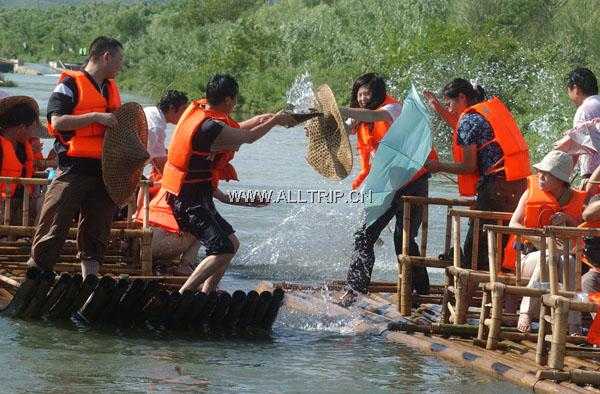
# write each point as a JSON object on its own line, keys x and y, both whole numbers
{"x": 203, "y": 144}
{"x": 549, "y": 200}
{"x": 372, "y": 111}
{"x": 19, "y": 118}
{"x": 169, "y": 242}
{"x": 491, "y": 157}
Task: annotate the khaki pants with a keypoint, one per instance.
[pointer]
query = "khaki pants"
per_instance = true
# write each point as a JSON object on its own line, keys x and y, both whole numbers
{"x": 167, "y": 246}
{"x": 67, "y": 196}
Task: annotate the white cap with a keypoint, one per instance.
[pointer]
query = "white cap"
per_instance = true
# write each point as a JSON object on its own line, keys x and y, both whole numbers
{"x": 557, "y": 163}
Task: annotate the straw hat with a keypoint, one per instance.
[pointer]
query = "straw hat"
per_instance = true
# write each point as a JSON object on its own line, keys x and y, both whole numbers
{"x": 557, "y": 163}
{"x": 124, "y": 153}
{"x": 329, "y": 151}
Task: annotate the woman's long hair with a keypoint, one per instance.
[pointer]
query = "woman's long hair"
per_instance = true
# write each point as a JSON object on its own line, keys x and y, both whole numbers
{"x": 375, "y": 84}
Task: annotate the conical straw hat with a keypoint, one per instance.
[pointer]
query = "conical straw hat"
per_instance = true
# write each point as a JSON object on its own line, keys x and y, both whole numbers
{"x": 329, "y": 151}
{"x": 124, "y": 153}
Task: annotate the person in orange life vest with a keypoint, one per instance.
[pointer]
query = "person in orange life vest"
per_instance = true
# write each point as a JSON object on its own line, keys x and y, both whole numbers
{"x": 549, "y": 200}
{"x": 198, "y": 157}
{"x": 169, "y": 109}
{"x": 79, "y": 111}
{"x": 18, "y": 119}
{"x": 371, "y": 113}
{"x": 479, "y": 157}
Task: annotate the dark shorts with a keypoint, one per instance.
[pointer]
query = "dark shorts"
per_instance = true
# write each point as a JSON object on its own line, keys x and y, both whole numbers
{"x": 201, "y": 219}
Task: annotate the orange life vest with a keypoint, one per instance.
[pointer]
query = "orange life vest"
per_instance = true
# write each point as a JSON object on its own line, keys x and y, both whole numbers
{"x": 160, "y": 213}
{"x": 177, "y": 169}
{"x": 86, "y": 141}
{"x": 28, "y": 167}
{"x": 11, "y": 166}
{"x": 368, "y": 137}
{"x": 515, "y": 152}
{"x": 539, "y": 207}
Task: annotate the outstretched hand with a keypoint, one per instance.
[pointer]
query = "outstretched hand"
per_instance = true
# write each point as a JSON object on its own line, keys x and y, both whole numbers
{"x": 283, "y": 118}
{"x": 430, "y": 97}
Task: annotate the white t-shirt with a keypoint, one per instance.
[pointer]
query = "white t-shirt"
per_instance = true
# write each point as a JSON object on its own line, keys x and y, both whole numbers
{"x": 157, "y": 124}
{"x": 588, "y": 110}
{"x": 394, "y": 109}
{"x": 3, "y": 94}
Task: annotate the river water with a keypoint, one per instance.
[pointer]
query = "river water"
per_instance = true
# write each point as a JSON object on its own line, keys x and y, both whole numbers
{"x": 304, "y": 242}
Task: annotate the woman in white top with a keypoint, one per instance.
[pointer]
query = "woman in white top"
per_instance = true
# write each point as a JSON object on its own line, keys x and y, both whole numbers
{"x": 582, "y": 88}
{"x": 372, "y": 111}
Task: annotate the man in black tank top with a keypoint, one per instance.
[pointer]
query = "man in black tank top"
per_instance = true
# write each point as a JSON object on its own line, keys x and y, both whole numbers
{"x": 194, "y": 208}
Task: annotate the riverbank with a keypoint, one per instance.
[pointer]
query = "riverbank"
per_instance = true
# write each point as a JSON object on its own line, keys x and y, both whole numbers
{"x": 521, "y": 50}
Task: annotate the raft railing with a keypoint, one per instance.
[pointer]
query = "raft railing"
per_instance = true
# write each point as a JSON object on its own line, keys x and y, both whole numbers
{"x": 406, "y": 261}
{"x": 555, "y": 307}
{"x": 462, "y": 284}
{"x": 503, "y": 285}
{"x": 135, "y": 260}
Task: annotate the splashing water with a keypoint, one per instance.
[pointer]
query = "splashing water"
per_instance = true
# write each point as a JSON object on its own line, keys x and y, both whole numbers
{"x": 300, "y": 96}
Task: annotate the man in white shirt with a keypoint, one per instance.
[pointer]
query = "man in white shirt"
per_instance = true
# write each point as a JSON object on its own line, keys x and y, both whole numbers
{"x": 169, "y": 110}
{"x": 582, "y": 88}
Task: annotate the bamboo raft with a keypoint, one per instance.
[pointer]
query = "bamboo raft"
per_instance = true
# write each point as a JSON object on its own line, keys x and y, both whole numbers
{"x": 128, "y": 295}
{"x": 467, "y": 320}
{"x": 138, "y": 303}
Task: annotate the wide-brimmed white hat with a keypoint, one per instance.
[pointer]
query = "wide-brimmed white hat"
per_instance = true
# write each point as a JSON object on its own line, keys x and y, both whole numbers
{"x": 558, "y": 164}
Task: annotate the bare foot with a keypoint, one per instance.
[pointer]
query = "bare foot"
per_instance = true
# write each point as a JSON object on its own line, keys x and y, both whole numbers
{"x": 524, "y": 323}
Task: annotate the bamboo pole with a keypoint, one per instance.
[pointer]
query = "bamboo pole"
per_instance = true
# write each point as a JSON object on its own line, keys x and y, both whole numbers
{"x": 146, "y": 252}
{"x": 543, "y": 261}
{"x": 492, "y": 256}
{"x": 541, "y": 353}
{"x": 146, "y": 194}
{"x": 456, "y": 240}
{"x": 405, "y": 269}
{"x": 577, "y": 376}
{"x": 496, "y": 316}
{"x": 578, "y": 261}
{"x": 438, "y": 201}
{"x": 484, "y": 313}
{"x": 25, "y": 207}
{"x": 7, "y": 211}
{"x": 405, "y": 293}
{"x": 475, "y": 246}
{"x": 461, "y": 296}
{"x": 448, "y": 238}
{"x": 552, "y": 266}
{"x": 566, "y": 266}
{"x": 556, "y": 359}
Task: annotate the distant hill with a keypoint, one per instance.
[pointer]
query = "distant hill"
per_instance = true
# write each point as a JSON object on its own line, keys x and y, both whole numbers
{"x": 50, "y": 3}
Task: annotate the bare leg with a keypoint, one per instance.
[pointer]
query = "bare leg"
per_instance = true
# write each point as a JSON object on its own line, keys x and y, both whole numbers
{"x": 210, "y": 265}
{"x": 211, "y": 283}
{"x": 210, "y": 270}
